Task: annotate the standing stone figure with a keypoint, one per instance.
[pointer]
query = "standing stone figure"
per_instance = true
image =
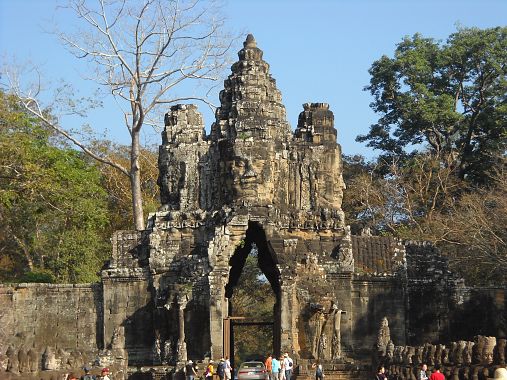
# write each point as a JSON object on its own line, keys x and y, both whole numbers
{"x": 430, "y": 353}
{"x": 168, "y": 352}
{"x": 156, "y": 350}
{"x": 459, "y": 357}
{"x": 12, "y": 364}
{"x": 487, "y": 351}
{"x": 336, "y": 341}
{"x": 445, "y": 356}
{"x": 467, "y": 353}
{"x": 452, "y": 352}
{"x": 384, "y": 335}
{"x": 118, "y": 340}
{"x": 33, "y": 360}
{"x": 477, "y": 349}
{"x": 409, "y": 355}
{"x": 23, "y": 361}
{"x": 419, "y": 355}
{"x": 322, "y": 346}
{"x": 439, "y": 351}
{"x": 390, "y": 352}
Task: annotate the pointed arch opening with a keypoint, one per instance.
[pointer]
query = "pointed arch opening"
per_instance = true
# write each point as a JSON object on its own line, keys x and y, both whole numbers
{"x": 253, "y": 293}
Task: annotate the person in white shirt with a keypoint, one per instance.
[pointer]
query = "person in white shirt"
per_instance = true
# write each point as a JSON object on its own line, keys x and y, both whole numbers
{"x": 422, "y": 375}
{"x": 288, "y": 364}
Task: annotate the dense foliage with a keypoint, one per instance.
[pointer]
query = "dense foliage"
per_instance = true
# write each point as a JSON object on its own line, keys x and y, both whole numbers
{"x": 442, "y": 133}
{"x": 58, "y": 208}
{"x": 52, "y": 206}
{"x": 423, "y": 200}
{"x": 450, "y": 98}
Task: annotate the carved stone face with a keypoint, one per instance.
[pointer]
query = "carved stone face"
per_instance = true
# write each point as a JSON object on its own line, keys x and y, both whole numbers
{"x": 487, "y": 357}
{"x": 487, "y": 352}
{"x": 248, "y": 182}
{"x": 243, "y": 182}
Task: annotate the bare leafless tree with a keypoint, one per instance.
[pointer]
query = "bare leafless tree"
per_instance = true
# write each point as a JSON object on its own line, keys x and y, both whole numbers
{"x": 142, "y": 52}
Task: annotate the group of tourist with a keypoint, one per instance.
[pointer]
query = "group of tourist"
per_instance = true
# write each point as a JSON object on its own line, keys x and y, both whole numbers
{"x": 223, "y": 369}
{"x": 282, "y": 369}
{"x": 279, "y": 369}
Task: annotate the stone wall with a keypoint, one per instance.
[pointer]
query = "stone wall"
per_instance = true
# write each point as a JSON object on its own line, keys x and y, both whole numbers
{"x": 51, "y": 318}
{"x": 165, "y": 293}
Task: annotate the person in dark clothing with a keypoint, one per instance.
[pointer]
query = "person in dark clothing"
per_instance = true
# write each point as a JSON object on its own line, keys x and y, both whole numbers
{"x": 189, "y": 370}
{"x": 381, "y": 373}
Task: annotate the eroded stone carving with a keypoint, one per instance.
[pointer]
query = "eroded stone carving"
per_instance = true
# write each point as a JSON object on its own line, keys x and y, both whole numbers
{"x": 336, "y": 341}
{"x": 500, "y": 351}
{"x": 487, "y": 351}
{"x": 49, "y": 359}
{"x": 12, "y": 363}
{"x": 118, "y": 339}
{"x": 383, "y": 337}
{"x": 467, "y": 353}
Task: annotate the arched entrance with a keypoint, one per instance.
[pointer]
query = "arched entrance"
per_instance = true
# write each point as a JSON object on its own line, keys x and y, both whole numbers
{"x": 255, "y": 243}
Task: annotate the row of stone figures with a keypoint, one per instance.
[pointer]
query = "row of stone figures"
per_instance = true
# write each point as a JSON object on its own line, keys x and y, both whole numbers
{"x": 478, "y": 372}
{"x": 22, "y": 360}
{"x": 485, "y": 350}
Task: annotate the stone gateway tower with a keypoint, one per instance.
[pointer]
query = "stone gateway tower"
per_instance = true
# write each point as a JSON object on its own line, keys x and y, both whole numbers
{"x": 164, "y": 295}
{"x": 254, "y": 181}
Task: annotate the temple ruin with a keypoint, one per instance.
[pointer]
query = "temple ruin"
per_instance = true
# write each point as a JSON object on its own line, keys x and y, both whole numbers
{"x": 164, "y": 295}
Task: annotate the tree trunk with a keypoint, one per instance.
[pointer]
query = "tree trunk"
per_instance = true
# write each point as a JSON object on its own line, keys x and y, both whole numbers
{"x": 135, "y": 181}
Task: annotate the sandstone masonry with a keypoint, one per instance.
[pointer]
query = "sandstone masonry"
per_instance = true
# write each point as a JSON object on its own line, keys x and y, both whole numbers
{"x": 164, "y": 295}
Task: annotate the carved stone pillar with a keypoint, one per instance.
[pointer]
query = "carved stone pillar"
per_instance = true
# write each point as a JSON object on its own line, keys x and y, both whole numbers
{"x": 286, "y": 316}
{"x": 336, "y": 350}
{"x": 217, "y": 309}
{"x": 181, "y": 354}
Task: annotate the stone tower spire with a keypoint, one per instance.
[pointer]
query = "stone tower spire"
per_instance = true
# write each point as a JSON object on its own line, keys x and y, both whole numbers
{"x": 248, "y": 136}
{"x": 251, "y": 105}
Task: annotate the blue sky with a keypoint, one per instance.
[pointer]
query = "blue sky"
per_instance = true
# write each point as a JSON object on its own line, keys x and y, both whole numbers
{"x": 319, "y": 51}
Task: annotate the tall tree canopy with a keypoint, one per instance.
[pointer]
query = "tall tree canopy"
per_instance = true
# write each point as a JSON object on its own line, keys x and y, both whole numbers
{"x": 449, "y": 97}
{"x": 141, "y": 52}
{"x": 53, "y": 209}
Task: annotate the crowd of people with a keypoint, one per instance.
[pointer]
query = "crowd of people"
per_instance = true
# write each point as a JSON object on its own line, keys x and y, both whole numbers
{"x": 277, "y": 368}
{"x": 281, "y": 368}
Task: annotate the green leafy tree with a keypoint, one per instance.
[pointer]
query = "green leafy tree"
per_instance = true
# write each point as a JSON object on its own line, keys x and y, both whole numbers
{"x": 53, "y": 209}
{"x": 450, "y": 97}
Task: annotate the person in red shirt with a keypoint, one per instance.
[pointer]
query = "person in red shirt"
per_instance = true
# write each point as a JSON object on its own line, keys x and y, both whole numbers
{"x": 436, "y": 375}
